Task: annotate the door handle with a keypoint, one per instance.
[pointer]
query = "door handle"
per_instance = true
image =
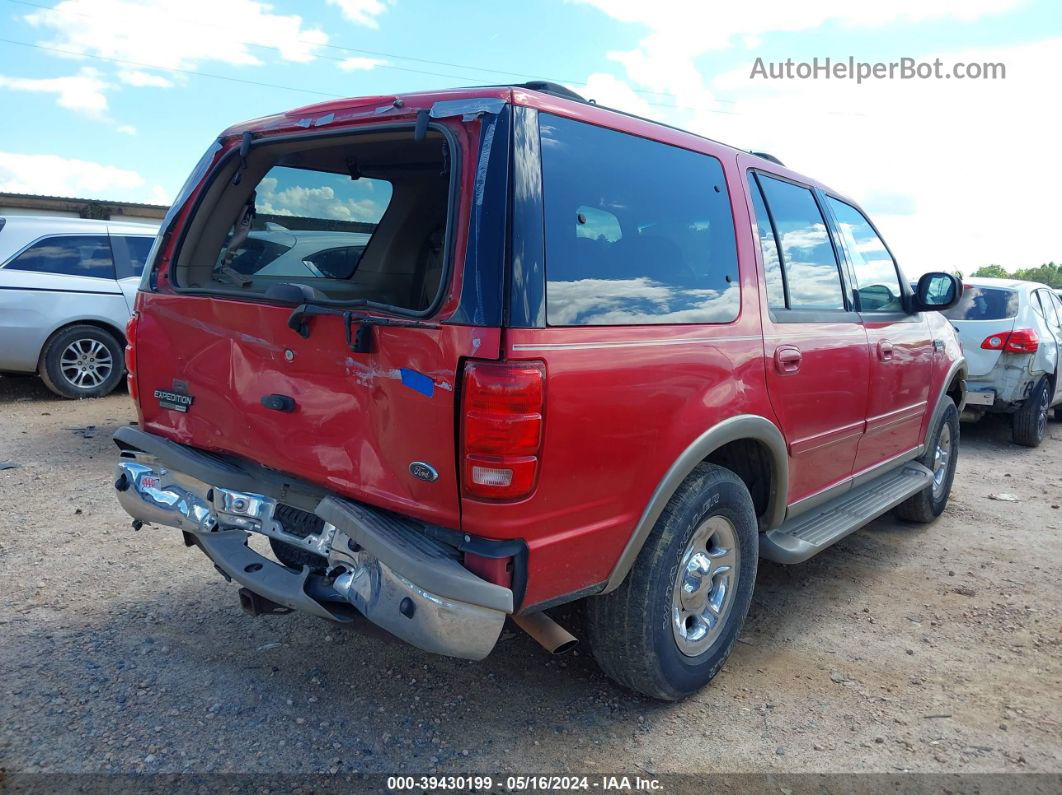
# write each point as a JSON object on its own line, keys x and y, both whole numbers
{"x": 787, "y": 359}
{"x": 884, "y": 350}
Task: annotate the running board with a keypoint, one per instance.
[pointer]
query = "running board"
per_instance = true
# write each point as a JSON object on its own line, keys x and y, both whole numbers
{"x": 808, "y": 534}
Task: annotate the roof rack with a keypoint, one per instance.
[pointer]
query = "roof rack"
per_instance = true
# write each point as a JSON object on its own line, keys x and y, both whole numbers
{"x": 766, "y": 156}
{"x": 556, "y": 89}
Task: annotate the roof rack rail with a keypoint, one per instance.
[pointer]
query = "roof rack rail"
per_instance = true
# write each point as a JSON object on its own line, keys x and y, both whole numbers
{"x": 556, "y": 89}
{"x": 766, "y": 156}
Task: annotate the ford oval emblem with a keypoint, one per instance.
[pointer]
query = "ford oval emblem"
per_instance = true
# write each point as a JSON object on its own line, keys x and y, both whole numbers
{"x": 422, "y": 471}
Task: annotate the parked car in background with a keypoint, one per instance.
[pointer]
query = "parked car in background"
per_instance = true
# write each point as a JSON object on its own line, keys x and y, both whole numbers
{"x": 66, "y": 289}
{"x": 1011, "y": 334}
{"x": 579, "y": 356}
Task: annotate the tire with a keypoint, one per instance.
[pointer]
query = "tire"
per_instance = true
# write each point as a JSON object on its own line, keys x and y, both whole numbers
{"x": 1029, "y": 423}
{"x": 634, "y": 631}
{"x": 929, "y": 503}
{"x": 82, "y": 362}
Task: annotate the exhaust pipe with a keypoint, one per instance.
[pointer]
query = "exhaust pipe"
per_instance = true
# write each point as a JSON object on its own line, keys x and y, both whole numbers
{"x": 550, "y": 635}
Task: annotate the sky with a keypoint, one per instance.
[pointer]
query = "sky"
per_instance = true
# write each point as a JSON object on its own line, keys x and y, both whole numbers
{"x": 117, "y": 99}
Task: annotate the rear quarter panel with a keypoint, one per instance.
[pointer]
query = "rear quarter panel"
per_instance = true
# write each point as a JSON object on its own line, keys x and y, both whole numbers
{"x": 622, "y": 403}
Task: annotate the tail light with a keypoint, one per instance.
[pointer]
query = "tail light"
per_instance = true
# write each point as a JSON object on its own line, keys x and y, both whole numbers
{"x": 501, "y": 428}
{"x": 130, "y": 356}
{"x": 1022, "y": 340}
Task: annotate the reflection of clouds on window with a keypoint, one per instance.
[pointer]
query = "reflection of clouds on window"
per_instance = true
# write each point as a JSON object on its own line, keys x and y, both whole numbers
{"x": 876, "y": 278}
{"x": 315, "y": 194}
{"x": 803, "y": 238}
{"x": 603, "y": 302}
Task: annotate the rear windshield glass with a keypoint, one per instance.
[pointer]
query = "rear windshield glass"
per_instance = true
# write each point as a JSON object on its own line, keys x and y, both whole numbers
{"x": 984, "y": 303}
{"x": 637, "y": 232}
{"x": 362, "y": 220}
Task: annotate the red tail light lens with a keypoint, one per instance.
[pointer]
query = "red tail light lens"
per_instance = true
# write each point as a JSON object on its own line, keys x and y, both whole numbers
{"x": 502, "y": 422}
{"x": 1018, "y": 341}
{"x": 130, "y": 355}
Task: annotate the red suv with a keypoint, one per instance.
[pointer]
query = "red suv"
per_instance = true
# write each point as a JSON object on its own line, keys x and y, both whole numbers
{"x": 465, "y": 355}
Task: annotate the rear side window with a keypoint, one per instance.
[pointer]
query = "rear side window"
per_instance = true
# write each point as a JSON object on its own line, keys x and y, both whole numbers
{"x": 68, "y": 255}
{"x": 984, "y": 303}
{"x": 812, "y": 278}
{"x": 637, "y": 232}
{"x": 877, "y": 280}
{"x": 138, "y": 249}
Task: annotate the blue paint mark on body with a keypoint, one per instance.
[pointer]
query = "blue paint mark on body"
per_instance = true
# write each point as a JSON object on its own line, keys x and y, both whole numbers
{"x": 418, "y": 382}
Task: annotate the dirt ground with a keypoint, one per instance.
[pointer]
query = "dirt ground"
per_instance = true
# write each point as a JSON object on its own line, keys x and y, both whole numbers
{"x": 901, "y": 648}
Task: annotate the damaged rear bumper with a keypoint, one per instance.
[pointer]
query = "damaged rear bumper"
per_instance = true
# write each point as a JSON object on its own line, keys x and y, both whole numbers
{"x": 381, "y": 565}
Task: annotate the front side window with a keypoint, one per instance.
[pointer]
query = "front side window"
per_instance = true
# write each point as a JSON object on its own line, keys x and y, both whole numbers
{"x": 877, "y": 280}
{"x": 811, "y": 274}
{"x": 637, "y": 232}
{"x": 68, "y": 255}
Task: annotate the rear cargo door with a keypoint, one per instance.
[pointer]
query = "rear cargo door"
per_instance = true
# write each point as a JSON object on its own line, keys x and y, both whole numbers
{"x": 363, "y": 405}
{"x": 356, "y": 423}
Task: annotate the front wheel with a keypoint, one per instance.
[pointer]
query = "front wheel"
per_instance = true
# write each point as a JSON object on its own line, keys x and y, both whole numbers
{"x": 668, "y": 629}
{"x": 940, "y": 458}
{"x": 1030, "y": 421}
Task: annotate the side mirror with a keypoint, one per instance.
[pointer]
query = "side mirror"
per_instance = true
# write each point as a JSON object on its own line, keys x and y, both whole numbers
{"x": 936, "y": 292}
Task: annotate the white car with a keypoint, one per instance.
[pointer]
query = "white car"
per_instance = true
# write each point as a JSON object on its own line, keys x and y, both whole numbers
{"x": 1011, "y": 334}
{"x": 67, "y": 287}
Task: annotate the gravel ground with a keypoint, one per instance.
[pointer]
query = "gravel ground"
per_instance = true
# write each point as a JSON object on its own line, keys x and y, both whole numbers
{"x": 930, "y": 649}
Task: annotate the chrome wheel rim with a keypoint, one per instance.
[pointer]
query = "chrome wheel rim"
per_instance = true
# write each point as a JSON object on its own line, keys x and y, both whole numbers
{"x": 941, "y": 459}
{"x": 86, "y": 363}
{"x": 1041, "y": 419}
{"x": 704, "y": 588}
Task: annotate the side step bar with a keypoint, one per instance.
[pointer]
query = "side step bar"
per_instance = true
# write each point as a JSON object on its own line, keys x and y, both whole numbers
{"x": 808, "y": 534}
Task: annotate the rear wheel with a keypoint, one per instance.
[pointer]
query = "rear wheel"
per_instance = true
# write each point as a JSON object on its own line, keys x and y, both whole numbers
{"x": 940, "y": 458}
{"x": 1030, "y": 421}
{"x": 668, "y": 629}
{"x": 82, "y": 362}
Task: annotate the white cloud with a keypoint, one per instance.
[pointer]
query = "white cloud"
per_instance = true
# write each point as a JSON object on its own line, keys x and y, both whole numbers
{"x": 54, "y": 175}
{"x": 140, "y": 79}
{"x": 160, "y": 195}
{"x": 313, "y": 202}
{"x": 361, "y": 12}
{"x": 179, "y": 36}
{"x": 932, "y": 161}
{"x": 126, "y": 129}
{"x": 679, "y": 31}
{"x": 360, "y": 64}
{"x": 83, "y": 92}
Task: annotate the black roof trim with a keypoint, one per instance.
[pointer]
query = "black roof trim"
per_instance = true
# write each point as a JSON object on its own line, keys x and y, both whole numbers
{"x": 766, "y": 156}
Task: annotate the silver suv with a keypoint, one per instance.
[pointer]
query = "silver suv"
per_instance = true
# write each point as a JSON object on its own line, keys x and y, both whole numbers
{"x": 66, "y": 290}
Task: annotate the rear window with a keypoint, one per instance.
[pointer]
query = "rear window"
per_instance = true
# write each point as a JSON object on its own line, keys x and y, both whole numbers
{"x": 637, "y": 232}
{"x": 984, "y": 303}
{"x": 364, "y": 220}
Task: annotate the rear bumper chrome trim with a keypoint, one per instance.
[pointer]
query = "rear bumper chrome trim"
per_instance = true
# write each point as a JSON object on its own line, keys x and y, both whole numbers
{"x": 378, "y": 564}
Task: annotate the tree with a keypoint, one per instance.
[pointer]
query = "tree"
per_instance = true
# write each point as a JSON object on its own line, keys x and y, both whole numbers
{"x": 993, "y": 272}
{"x": 1049, "y": 273}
